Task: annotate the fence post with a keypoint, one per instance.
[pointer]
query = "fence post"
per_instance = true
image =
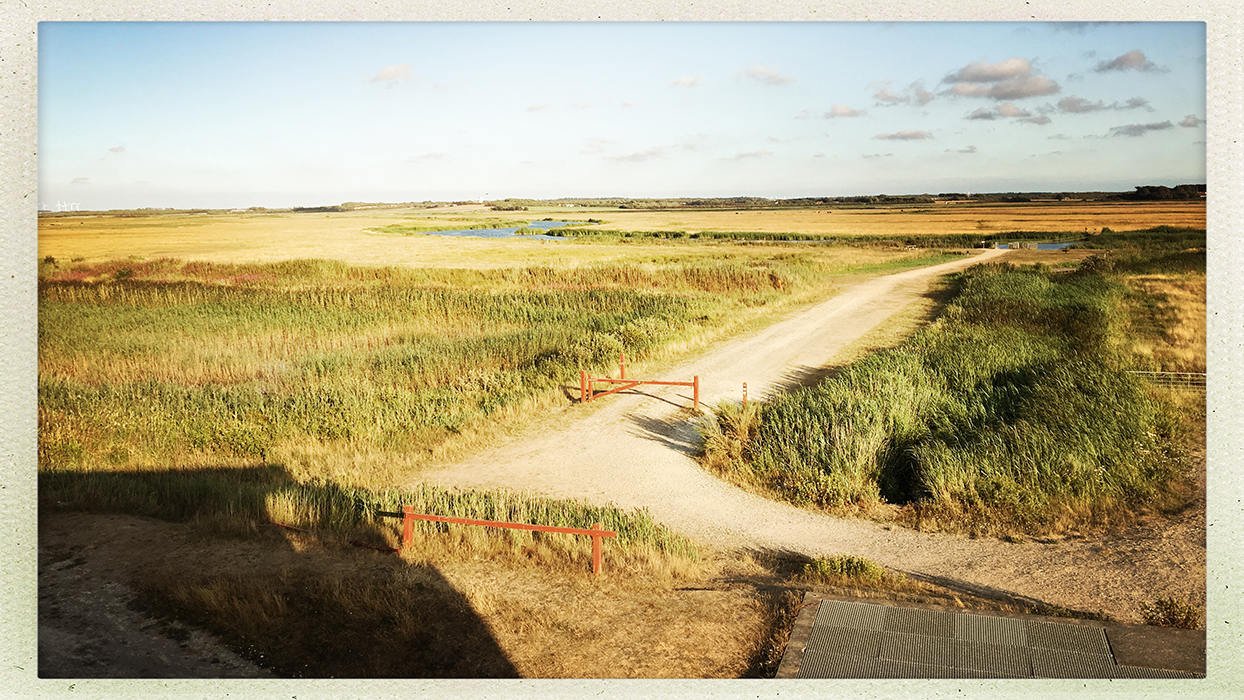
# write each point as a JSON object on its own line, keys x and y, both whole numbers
{"x": 696, "y": 394}
{"x": 408, "y": 525}
{"x": 744, "y": 393}
{"x": 582, "y": 386}
{"x": 622, "y": 363}
{"x": 596, "y": 566}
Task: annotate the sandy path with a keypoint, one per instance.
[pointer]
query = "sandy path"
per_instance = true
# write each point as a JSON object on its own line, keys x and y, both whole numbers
{"x": 636, "y": 452}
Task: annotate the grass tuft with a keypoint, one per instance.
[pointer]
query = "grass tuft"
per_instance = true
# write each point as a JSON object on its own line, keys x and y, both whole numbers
{"x": 848, "y": 570}
{"x": 1168, "y": 612}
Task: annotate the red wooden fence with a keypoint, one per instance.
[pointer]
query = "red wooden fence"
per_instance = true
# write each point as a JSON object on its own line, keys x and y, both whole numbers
{"x": 409, "y": 516}
{"x": 587, "y": 391}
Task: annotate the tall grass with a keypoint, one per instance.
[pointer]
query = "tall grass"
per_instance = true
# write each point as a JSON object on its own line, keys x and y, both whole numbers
{"x": 237, "y": 499}
{"x": 1013, "y": 409}
{"x": 151, "y": 363}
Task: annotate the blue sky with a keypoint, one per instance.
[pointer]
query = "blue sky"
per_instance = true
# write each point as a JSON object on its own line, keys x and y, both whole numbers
{"x": 296, "y": 114}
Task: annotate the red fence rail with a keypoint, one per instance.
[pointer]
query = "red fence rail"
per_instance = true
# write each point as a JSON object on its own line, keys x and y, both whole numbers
{"x": 587, "y": 391}
{"x": 409, "y": 516}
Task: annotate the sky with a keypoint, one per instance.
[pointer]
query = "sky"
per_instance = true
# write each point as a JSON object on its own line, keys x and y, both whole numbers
{"x": 224, "y": 115}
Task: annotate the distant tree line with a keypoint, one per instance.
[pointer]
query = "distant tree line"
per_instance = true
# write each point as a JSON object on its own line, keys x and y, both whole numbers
{"x": 1162, "y": 193}
{"x": 1147, "y": 193}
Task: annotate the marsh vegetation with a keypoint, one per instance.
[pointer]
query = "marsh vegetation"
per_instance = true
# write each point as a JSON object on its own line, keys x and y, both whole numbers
{"x": 1014, "y": 411}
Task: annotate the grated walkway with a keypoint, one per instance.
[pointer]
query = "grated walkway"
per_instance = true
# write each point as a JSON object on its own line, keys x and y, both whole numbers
{"x": 864, "y": 640}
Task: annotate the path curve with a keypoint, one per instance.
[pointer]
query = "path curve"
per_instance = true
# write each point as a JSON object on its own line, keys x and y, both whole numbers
{"x": 636, "y": 449}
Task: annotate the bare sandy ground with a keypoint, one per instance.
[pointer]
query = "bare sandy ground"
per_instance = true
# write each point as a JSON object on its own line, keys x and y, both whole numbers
{"x": 635, "y": 450}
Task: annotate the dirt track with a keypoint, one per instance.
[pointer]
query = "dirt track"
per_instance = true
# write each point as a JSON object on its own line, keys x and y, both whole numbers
{"x": 635, "y": 450}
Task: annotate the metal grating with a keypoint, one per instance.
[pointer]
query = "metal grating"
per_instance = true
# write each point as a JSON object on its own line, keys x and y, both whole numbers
{"x": 918, "y": 649}
{"x": 991, "y": 630}
{"x": 1138, "y": 672}
{"x": 1056, "y": 663}
{"x": 1004, "y": 660}
{"x": 861, "y": 640}
{"x": 857, "y": 615}
{"x": 844, "y": 640}
{"x": 916, "y": 621}
{"x": 1085, "y": 640}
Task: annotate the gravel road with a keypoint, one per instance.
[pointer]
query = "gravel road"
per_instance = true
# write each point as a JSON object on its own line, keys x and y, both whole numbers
{"x": 635, "y": 450}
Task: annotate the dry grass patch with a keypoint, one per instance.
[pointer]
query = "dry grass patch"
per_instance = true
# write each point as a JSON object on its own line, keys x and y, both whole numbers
{"x": 909, "y": 220}
{"x": 310, "y": 606}
{"x": 1169, "y": 321}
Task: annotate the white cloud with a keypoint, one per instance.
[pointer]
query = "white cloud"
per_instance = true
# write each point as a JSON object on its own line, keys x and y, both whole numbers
{"x": 687, "y": 82}
{"x": 117, "y": 149}
{"x": 1191, "y": 121}
{"x": 843, "y": 111}
{"x": 1078, "y": 105}
{"x": 1008, "y": 109}
{"x": 1140, "y": 129}
{"x": 905, "y": 135}
{"x": 1011, "y": 79}
{"x": 767, "y": 75}
{"x": 1075, "y": 104}
{"x": 1132, "y": 60}
{"x": 914, "y": 93}
{"x": 639, "y": 156}
{"x": 981, "y": 72}
{"x": 884, "y": 95}
{"x": 392, "y": 74}
{"x": 743, "y": 155}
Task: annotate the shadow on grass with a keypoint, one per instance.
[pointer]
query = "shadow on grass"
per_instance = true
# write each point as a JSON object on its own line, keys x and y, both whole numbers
{"x": 299, "y": 605}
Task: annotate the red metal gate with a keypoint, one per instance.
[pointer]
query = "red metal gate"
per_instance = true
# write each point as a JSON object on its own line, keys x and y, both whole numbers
{"x": 587, "y": 393}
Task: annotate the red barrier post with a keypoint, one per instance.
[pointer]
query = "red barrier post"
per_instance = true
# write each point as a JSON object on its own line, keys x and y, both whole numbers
{"x": 696, "y": 394}
{"x": 596, "y": 566}
{"x": 408, "y": 525}
{"x": 582, "y": 386}
{"x": 622, "y": 363}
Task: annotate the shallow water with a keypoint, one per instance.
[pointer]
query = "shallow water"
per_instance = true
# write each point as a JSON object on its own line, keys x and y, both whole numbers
{"x": 508, "y": 232}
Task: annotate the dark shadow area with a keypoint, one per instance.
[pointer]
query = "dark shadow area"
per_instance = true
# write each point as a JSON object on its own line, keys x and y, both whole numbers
{"x": 803, "y": 377}
{"x": 678, "y": 434}
{"x": 191, "y": 551}
{"x": 641, "y": 392}
{"x": 986, "y": 592}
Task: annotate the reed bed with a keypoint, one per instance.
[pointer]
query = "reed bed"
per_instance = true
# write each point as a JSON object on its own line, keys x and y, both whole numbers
{"x": 1013, "y": 411}
{"x": 358, "y": 374}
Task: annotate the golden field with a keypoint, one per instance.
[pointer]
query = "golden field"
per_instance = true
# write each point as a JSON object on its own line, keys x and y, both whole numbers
{"x": 261, "y": 237}
{"x": 911, "y": 220}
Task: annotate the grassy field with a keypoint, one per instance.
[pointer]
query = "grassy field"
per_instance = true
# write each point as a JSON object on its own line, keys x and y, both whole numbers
{"x": 1013, "y": 412}
{"x": 227, "y": 396}
{"x": 345, "y": 236}
{"x": 362, "y": 375}
{"x": 221, "y": 372}
{"x": 895, "y": 221}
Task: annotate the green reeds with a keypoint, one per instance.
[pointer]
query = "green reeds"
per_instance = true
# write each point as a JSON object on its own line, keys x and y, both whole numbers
{"x": 1015, "y": 404}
